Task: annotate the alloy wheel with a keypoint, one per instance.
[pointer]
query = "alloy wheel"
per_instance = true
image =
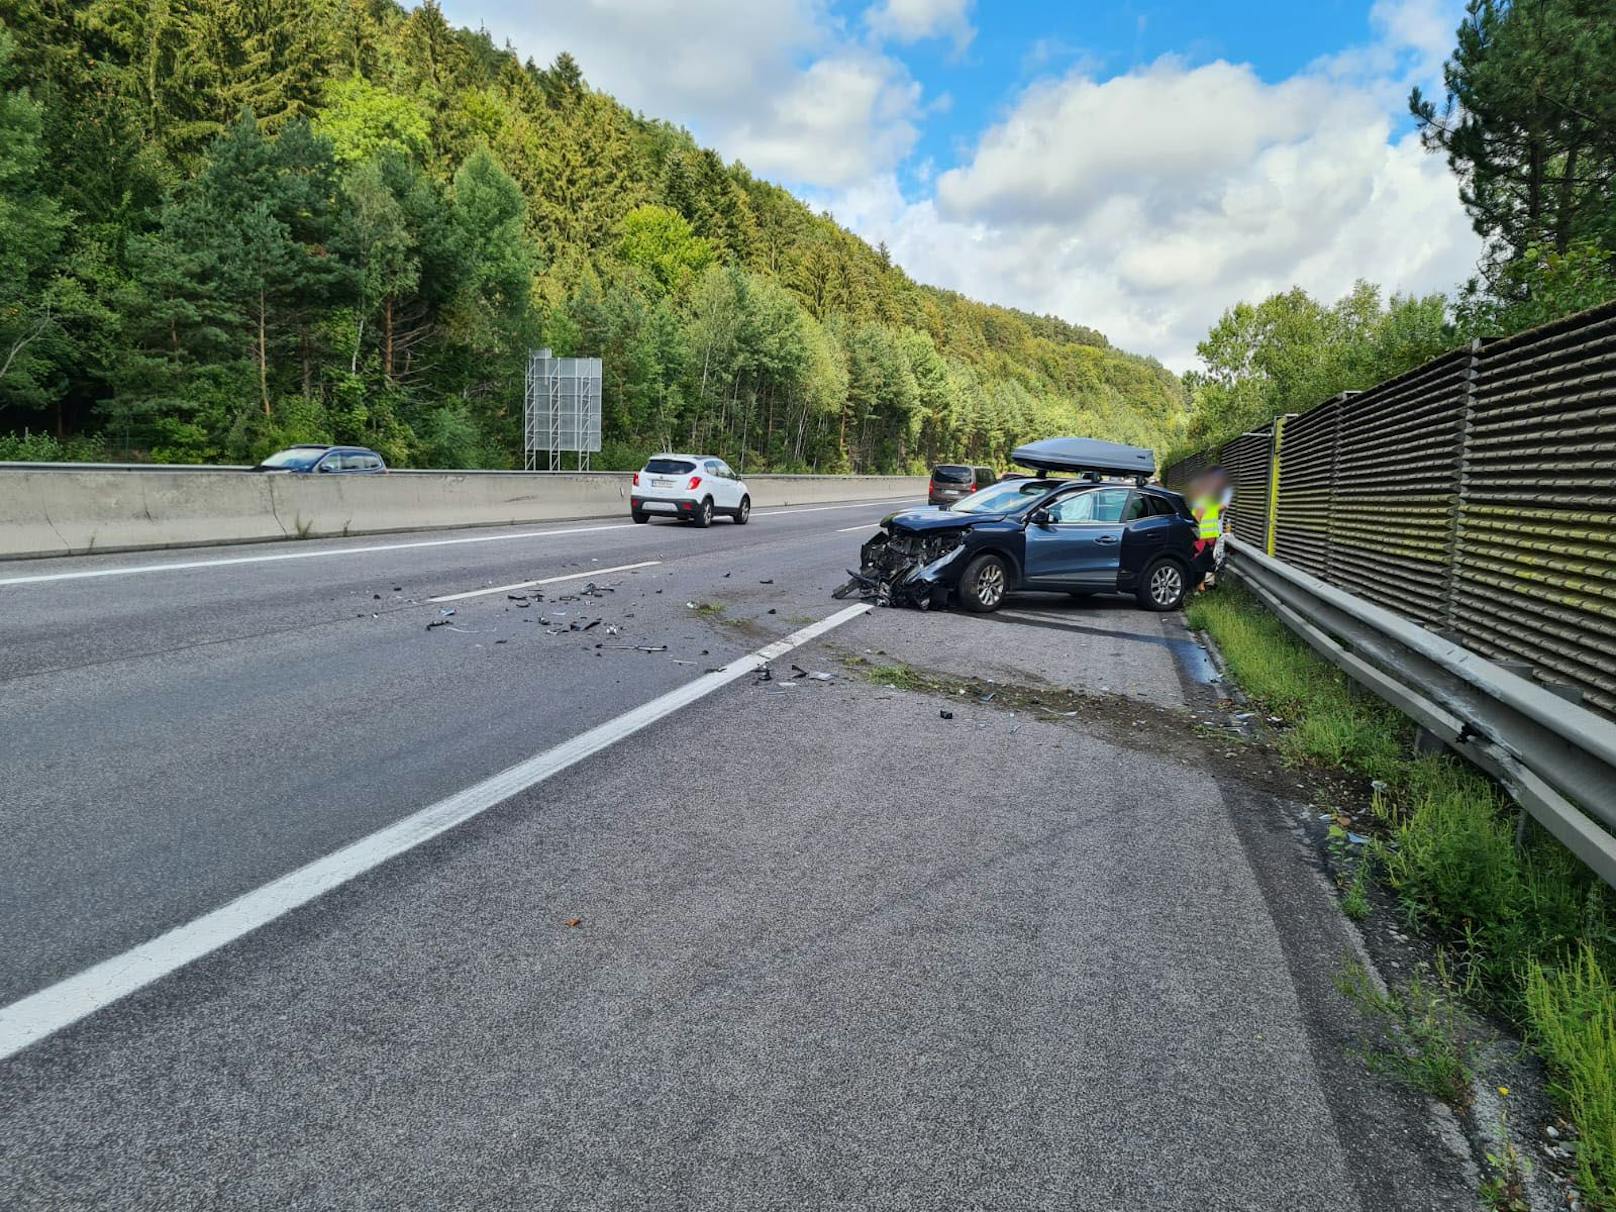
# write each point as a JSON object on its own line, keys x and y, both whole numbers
{"x": 1166, "y": 584}
{"x": 990, "y": 584}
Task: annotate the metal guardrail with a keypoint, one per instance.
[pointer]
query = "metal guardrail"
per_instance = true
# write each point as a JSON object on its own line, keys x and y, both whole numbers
{"x": 1557, "y": 758}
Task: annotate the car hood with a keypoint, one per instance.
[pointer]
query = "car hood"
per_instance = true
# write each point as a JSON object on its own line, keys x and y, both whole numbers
{"x": 930, "y": 521}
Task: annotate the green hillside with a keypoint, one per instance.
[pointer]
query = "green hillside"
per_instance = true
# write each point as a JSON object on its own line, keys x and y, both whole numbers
{"x": 226, "y": 225}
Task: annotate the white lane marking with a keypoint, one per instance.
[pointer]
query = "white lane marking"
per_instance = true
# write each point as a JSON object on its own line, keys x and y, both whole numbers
{"x": 180, "y": 565}
{"x": 43, "y": 1013}
{"x": 865, "y": 526}
{"x": 774, "y": 513}
{"x": 571, "y": 576}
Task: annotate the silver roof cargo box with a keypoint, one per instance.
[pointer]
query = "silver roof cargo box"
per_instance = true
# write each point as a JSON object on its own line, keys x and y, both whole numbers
{"x": 1086, "y": 454}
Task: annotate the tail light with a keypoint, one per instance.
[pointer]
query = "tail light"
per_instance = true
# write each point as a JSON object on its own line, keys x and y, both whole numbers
{"x": 636, "y": 479}
{"x": 695, "y": 483}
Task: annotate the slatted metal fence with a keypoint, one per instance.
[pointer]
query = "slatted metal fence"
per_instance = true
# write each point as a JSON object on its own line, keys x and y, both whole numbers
{"x": 1475, "y": 494}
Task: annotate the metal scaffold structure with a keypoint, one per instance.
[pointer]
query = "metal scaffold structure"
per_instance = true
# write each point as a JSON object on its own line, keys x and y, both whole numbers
{"x": 561, "y": 409}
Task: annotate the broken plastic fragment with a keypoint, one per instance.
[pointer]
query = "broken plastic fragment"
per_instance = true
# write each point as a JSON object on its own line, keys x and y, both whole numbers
{"x": 947, "y": 715}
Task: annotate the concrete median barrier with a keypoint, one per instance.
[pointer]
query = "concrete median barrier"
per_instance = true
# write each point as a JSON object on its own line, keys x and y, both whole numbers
{"x": 64, "y": 510}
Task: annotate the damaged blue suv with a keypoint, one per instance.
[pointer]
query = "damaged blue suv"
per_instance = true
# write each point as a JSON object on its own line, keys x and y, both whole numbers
{"x": 1079, "y": 535}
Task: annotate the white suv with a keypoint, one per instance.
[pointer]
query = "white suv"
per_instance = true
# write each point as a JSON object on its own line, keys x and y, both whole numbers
{"x": 691, "y": 488}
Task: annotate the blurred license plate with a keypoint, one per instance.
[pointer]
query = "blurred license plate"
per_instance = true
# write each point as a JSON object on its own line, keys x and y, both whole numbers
{"x": 655, "y": 483}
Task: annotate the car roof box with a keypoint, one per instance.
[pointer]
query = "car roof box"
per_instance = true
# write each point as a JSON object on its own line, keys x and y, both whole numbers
{"x": 1085, "y": 454}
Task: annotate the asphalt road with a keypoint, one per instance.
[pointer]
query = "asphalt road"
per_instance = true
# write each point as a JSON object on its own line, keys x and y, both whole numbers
{"x": 832, "y": 951}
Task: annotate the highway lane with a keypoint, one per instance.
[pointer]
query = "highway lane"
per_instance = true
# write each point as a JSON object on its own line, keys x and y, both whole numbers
{"x": 832, "y": 951}
{"x": 174, "y": 738}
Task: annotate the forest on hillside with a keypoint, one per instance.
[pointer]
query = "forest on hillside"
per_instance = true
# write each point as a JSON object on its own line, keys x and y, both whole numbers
{"x": 229, "y": 225}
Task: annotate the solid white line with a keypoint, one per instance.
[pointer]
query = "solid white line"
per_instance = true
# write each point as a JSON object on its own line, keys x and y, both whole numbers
{"x": 774, "y": 513}
{"x": 43, "y": 1013}
{"x": 571, "y": 576}
{"x": 305, "y": 555}
{"x": 845, "y": 529}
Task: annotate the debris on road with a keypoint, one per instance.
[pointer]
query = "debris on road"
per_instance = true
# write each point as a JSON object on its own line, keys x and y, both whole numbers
{"x": 947, "y": 715}
{"x": 573, "y": 921}
{"x": 437, "y": 623}
{"x": 650, "y": 648}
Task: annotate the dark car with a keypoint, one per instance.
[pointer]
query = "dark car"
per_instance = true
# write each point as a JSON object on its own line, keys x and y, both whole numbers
{"x": 346, "y": 460}
{"x": 951, "y": 482}
{"x": 1080, "y": 536}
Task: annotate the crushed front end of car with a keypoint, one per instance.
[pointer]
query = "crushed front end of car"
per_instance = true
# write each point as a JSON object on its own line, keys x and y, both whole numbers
{"x": 906, "y": 568}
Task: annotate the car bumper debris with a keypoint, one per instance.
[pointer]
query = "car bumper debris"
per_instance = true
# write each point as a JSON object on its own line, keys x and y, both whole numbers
{"x": 897, "y": 569}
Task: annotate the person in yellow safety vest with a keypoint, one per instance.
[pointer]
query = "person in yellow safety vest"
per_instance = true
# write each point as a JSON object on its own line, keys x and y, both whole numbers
{"x": 1209, "y": 495}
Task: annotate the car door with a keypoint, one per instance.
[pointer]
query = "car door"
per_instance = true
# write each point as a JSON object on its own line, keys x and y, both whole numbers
{"x": 717, "y": 485}
{"x": 1081, "y": 545}
{"x": 736, "y": 489}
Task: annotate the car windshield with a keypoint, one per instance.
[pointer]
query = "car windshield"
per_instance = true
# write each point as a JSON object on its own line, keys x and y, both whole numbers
{"x": 1005, "y": 497}
{"x": 298, "y": 460}
{"x": 669, "y": 467}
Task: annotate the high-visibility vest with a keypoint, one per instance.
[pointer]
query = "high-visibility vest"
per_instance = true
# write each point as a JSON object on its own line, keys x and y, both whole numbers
{"x": 1210, "y": 515}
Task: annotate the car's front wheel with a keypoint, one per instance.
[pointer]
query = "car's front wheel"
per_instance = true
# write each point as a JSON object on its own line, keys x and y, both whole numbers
{"x": 1163, "y": 586}
{"x": 744, "y": 512}
{"x": 984, "y": 583}
{"x": 704, "y": 513}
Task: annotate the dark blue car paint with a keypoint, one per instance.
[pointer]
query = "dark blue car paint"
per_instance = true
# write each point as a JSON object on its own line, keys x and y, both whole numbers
{"x": 1098, "y": 557}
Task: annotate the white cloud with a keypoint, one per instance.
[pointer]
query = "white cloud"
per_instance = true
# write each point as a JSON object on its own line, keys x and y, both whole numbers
{"x": 915, "y": 20}
{"x": 1142, "y": 204}
{"x": 779, "y": 83}
{"x": 1146, "y": 203}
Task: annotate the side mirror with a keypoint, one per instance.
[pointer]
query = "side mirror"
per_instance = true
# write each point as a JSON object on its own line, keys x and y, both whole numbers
{"x": 1042, "y": 517}
{"x": 325, "y": 467}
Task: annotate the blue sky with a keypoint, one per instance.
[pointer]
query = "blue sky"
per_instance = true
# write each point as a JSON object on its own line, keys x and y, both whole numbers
{"x": 1137, "y": 167}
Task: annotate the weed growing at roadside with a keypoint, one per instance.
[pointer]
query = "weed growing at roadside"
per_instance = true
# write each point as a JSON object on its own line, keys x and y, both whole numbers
{"x": 1424, "y": 1034}
{"x": 1572, "y": 1015}
{"x": 1505, "y": 1188}
{"x": 1355, "y": 900}
{"x": 1535, "y": 931}
{"x": 1330, "y": 722}
{"x": 901, "y": 676}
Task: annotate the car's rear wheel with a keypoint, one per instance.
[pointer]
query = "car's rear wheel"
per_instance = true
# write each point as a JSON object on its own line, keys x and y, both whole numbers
{"x": 984, "y": 583}
{"x": 1163, "y": 586}
{"x": 744, "y": 512}
{"x": 639, "y": 517}
{"x": 704, "y": 513}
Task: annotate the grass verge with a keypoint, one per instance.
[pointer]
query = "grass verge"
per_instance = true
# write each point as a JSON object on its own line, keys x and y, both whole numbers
{"x": 1533, "y": 932}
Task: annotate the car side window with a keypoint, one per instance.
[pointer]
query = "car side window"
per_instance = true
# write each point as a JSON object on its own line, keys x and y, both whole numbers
{"x": 1139, "y": 506}
{"x": 1079, "y": 508}
{"x": 713, "y": 468}
{"x": 1109, "y": 503}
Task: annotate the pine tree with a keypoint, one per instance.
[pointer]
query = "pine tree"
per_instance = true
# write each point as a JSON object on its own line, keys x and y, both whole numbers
{"x": 1529, "y": 123}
